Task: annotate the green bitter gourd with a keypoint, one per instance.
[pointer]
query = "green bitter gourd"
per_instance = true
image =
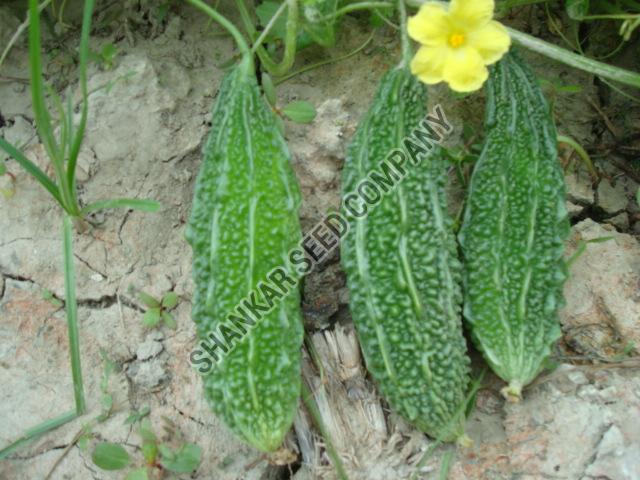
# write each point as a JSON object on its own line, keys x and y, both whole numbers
{"x": 403, "y": 272}
{"x": 243, "y": 223}
{"x": 514, "y": 229}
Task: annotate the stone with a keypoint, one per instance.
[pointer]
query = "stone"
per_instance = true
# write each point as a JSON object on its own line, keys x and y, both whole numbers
{"x": 579, "y": 187}
{"x": 602, "y": 312}
{"x": 151, "y": 346}
{"x": 620, "y": 221}
{"x": 612, "y": 198}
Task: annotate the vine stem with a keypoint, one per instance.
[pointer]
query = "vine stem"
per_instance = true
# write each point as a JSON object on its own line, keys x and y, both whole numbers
{"x": 268, "y": 28}
{"x": 230, "y": 27}
{"x": 404, "y": 36}
{"x": 275, "y": 69}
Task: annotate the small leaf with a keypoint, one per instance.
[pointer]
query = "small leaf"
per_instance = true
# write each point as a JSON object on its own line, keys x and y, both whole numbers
{"x": 151, "y": 317}
{"x": 170, "y": 300}
{"x": 185, "y": 460}
{"x": 577, "y": 9}
{"x": 169, "y": 321}
{"x": 138, "y": 474}
{"x": 148, "y": 300}
{"x": 83, "y": 442}
{"x": 269, "y": 89}
{"x": 149, "y": 452}
{"x": 48, "y": 295}
{"x": 300, "y": 111}
{"x": 110, "y": 456}
{"x": 166, "y": 452}
{"x": 3, "y": 167}
{"x": 146, "y": 432}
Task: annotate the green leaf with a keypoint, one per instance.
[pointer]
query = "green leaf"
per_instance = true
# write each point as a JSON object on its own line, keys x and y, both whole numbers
{"x": 577, "y": 9}
{"x": 138, "y": 474}
{"x": 148, "y": 300}
{"x": 151, "y": 317}
{"x": 83, "y": 442}
{"x": 32, "y": 169}
{"x": 149, "y": 452}
{"x": 3, "y": 168}
{"x": 170, "y": 300}
{"x": 319, "y": 20}
{"x": 185, "y": 460}
{"x": 169, "y": 321}
{"x": 269, "y": 89}
{"x": 146, "y": 432}
{"x": 300, "y": 111}
{"x": 128, "y": 203}
{"x": 110, "y": 456}
{"x": 265, "y": 12}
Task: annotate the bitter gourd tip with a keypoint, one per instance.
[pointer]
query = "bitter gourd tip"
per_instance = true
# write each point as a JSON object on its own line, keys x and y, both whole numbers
{"x": 512, "y": 392}
{"x": 465, "y": 441}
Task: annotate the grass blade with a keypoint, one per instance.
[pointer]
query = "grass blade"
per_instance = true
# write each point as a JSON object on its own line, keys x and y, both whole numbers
{"x": 132, "y": 203}
{"x": 82, "y": 68}
{"x": 32, "y": 169}
{"x": 42, "y": 117}
{"x": 72, "y": 315}
{"x": 36, "y": 431}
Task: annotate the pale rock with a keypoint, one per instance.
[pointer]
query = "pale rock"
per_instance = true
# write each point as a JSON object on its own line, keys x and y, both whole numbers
{"x": 612, "y": 198}
{"x": 620, "y": 221}
{"x": 21, "y": 133}
{"x": 602, "y": 312}
{"x": 579, "y": 188}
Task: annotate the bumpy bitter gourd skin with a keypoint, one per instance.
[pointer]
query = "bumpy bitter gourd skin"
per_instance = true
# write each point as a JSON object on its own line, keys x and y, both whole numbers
{"x": 514, "y": 230}
{"x": 243, "y": 223}
{"x": 403, "y": 272}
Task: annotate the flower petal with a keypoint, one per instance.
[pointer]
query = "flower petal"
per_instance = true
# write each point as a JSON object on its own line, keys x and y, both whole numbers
{"x": 428, "y": 64}
{"x": 464, "y": 70}
{"x": 491, "y": 41}
{"x": 430, "y": 26}
{"x": 469, "y": 15}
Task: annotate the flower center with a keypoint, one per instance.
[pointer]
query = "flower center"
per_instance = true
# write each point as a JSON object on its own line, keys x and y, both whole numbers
{"x": 456, "y": 40}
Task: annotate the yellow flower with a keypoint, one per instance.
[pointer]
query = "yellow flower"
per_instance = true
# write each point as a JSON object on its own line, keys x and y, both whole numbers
{"x": 458, "y": 43}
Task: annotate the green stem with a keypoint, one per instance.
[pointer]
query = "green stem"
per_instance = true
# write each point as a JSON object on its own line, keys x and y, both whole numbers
{"x": 275, "y": 69}
{"x": 230, "y": 27}
{"x": 573, "y": 60}
{"x": 268, "y": 27}
{"x": 324, "y": 62}
{"x": 404, "y": 36}
{"x": 71, "y": 306}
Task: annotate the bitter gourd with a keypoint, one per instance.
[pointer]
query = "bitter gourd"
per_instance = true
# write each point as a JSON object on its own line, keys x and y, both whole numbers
{"x": 514, "y": 229}
{"x": 243, "y": 223}
{"x": 402, "y": 269}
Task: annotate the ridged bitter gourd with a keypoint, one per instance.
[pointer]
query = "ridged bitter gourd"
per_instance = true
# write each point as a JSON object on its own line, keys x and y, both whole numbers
{"x": 243, "y": 223}
{"x": 402, "y": 269}
{"x": 514, "y": 230}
